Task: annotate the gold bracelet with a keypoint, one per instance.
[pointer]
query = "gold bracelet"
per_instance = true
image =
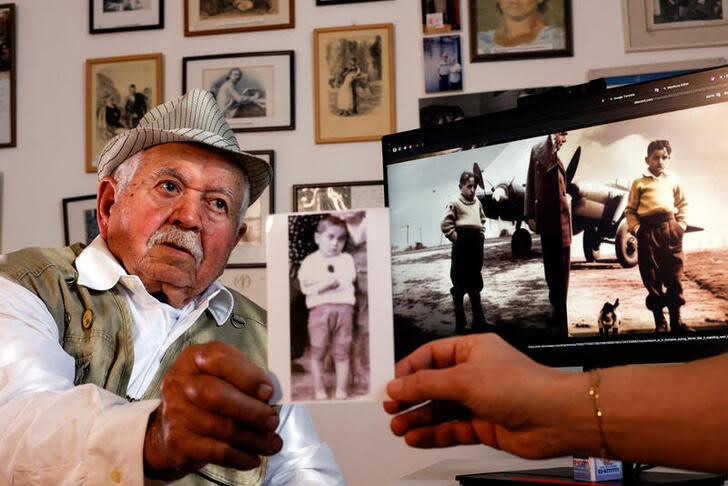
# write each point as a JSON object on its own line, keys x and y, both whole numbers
{"x": 596, "y": 380}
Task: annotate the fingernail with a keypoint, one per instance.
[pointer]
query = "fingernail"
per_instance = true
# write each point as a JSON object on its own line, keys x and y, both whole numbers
{"x": 272, "y": 422}
{"x": 265, "y": 391}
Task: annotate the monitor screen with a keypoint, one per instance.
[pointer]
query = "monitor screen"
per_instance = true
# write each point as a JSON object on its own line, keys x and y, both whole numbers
{"x": 603, "y": 233}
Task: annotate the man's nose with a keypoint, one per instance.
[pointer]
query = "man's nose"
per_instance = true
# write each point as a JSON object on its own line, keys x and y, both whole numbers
{"x": 186, "y": 212}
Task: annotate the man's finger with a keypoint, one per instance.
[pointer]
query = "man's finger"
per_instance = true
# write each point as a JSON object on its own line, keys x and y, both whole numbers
{"x": 427, "y": 384}
{"x": 229, "y": 364}
{"x": 220, "y": 397}
{"x": 432, "y": 413}
{"x": 443, "y": 435}
{"x": 441, "y": 353}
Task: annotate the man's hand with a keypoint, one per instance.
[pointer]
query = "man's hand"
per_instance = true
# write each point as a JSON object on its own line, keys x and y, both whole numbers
{"x": 478, "y": 389}
{"x": 453, "y": 236}
{"x": 213, "y": 410}
{"x": 532, "y": 224}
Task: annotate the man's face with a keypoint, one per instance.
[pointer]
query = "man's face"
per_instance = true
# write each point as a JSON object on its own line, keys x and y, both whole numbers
{"x": 657, "y": 161}
{"x": 559, "y": 139}
{"x": 235, "y": 76}
{"x": 518, "y": 9}
{"x": 468, "y": 189}
{"x": 175, "y": 223}
{"x": 331, "y": 240}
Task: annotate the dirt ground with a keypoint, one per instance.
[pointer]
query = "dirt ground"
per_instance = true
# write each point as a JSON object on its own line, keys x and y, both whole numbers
{"x": 515, "y": 296}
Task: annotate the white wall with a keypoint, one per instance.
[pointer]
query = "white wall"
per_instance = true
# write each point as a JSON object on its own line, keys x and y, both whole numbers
{"x": 48, "y": 162}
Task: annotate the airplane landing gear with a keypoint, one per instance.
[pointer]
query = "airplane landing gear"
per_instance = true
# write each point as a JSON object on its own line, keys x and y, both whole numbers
{"x": 625, "y": 245}
{"x": 520, "y": 243}
{"x": 592, "y": 242}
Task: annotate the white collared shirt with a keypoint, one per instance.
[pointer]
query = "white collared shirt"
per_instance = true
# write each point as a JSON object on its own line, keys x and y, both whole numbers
{"x": 58, "y": 433}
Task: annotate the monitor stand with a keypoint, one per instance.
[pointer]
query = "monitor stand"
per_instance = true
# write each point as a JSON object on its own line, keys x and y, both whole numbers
{"x": 565, "y": 476}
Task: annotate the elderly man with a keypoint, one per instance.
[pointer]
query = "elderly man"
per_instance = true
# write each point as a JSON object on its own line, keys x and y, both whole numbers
{"x": 126, "y": 359}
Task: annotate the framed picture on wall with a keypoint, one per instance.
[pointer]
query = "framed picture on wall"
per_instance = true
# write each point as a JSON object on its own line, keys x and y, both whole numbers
{"x": 340, "y": 2}
{"x": 248, "y": 281}
{"x": 440, "y": 16}
{"x": 7, "y": 75}
{"x": 669, "y": 24}
{"x": 353, "y": 83}
{"x": 443, "y": 64}
{"x": 250, "y": 250}
{"x": 119, "y": 91}
{"x": 107, "y": 16}
{"x": 255, "y": 90}
{"x": 490, "y": 40}
{"x": 206, "y": 17}
{"x": 337, "y": 196}
{"x": 79, "y": 219}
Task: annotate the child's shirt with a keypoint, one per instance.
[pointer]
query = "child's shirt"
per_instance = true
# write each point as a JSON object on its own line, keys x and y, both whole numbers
{"x": 462, "y": 213}
{"x": 650, "y": 195}
{"x": 316, "y": 269}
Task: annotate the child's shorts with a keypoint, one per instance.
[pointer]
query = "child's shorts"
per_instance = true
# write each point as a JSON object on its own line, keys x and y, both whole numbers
{"x": 331, "y": 325}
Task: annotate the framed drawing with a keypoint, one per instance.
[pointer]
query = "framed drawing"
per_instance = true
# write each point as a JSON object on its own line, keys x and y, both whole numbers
{"x": 250, "y": 251}
{"x": 491, "y": 40}
{"x": 119, "y": 91}
{"x": 443, "y": 68}
{"x": 248, "y": 281}
{"x": 206, "y": 17}
{"x": 7, "y": 75}
{"x": 353, "y": 83}
{"x": 337, "y": 196}
{"x": 79, "y": 219}
{"x": 669, "y": 24}
{"x": 107, "y": 16}
{"x": 340, "y": 2}
{"x": 440, "y": 16}
{"x": 255, "y": 90}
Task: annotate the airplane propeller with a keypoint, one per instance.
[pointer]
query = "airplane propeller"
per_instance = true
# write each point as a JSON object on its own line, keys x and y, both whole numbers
{"x": 572, "y": 188}
{"x": 478, "y": 175}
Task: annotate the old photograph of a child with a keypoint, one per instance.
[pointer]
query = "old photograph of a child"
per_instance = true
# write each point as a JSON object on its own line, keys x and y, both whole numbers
{"x": 328, "y": 334}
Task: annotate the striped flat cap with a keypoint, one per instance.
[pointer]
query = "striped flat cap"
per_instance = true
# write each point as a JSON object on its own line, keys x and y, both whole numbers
{"x": 193, "y": 117}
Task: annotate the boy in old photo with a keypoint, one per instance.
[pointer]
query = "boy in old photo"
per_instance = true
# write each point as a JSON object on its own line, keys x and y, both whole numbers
{"x": 327, "y": 280}
{"x": 656, "y": 215}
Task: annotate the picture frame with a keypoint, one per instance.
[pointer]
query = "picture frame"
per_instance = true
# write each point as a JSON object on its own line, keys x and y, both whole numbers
{"x": 249, "y": 281}
{"x": 134, "y": 82}
{"x": 618, "y": 76}
{"x": 107, "y": 16}
{"x": 647, "y": 28}
{"x": 489, "y": 41}
{"x": 79, "y": 219}
{"x": 250, "y": 251}
{"x": 263, "y": 97}
{"x": 337, "y": 196}
{"x": 440, "y": 16}
{"x": 8, "y": 134}
{"x": 210, "y": 17}
{"x": 443, "y": 64}
{"x": 354, "y": 98}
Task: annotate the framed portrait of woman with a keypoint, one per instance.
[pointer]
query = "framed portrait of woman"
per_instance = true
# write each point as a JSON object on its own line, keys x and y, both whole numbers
{"x": 502, "y": 30}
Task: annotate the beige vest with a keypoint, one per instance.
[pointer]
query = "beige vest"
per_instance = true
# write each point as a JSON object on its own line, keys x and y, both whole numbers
{"x": 95, "y": 328}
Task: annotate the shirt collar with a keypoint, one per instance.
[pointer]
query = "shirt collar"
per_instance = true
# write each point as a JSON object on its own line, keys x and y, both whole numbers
{"x": 99, "y": 269}
{"x": 665, "y": 173}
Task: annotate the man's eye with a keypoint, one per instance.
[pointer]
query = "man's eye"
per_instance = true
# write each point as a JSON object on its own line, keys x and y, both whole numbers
{"x": 219, "y": 205}
{"x": 169, "y": 186}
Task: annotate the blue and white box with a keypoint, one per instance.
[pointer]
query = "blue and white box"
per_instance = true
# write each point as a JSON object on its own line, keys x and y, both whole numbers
{"x": 596, "y": 469}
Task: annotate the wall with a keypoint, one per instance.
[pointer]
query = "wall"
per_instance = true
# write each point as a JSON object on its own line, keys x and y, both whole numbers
{"x": 48, "y": 162}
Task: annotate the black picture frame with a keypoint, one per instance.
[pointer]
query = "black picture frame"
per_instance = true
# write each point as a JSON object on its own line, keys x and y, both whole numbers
{"x": 103, "y": 22}
{"x": 202, "y": 72}
{"x": 484, "y": 26}
{"x": 8, "y": 130}
{"x": 77, "y": 223}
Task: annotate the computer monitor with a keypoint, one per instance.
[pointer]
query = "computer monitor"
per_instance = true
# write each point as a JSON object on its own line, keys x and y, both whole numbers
{"x": 608, "y": 132}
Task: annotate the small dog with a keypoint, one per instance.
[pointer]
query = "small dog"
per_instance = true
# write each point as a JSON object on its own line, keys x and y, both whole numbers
{"x": 609, "y": 318}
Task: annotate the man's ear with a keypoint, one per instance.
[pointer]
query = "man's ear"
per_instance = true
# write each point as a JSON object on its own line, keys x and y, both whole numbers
{"x": 241, "y": 232}
{"x": 105, "y": 199}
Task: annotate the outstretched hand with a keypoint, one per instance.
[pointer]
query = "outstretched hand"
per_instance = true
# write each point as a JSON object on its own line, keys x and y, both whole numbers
{"x": 214, "y": 410}
{"x": 478, "y": 389}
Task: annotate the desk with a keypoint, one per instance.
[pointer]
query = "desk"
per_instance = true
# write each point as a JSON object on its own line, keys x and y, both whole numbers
{"x": 443, "y": 473}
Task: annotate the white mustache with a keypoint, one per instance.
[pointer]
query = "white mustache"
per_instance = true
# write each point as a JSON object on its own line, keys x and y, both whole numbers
{"x": 189, "y": 240}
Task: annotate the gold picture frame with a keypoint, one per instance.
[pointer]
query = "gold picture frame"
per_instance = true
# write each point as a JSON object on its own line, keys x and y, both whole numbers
{"x": 209, "y": 17}
{"x": 119, "y": 90}
{"x": 337, "y": 196}
{"x": 8, "y": 129}
{"x": 354, "y": 98}
{"x": 647, "y": 29}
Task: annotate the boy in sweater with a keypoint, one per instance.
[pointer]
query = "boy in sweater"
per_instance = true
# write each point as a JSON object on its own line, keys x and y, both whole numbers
{"x": 656, "y": 215}
{"x": 464, "y": 225}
